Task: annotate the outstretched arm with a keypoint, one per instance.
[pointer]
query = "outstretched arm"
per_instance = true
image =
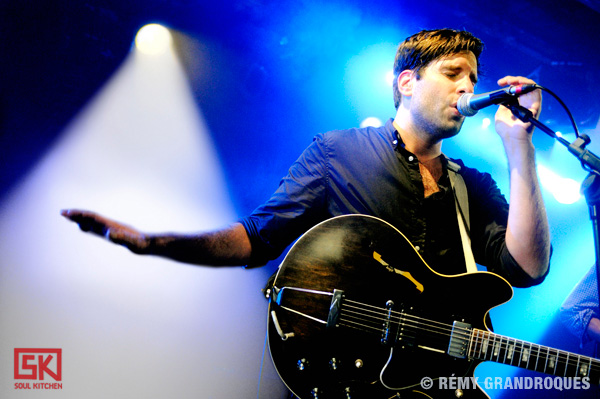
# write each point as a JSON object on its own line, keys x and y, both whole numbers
{"x": 527, "y": 235}
{"x": 229, "y": 246}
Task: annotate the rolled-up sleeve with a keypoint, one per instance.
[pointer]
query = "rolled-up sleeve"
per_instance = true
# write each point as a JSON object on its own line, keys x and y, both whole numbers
{"x": 580, "y": 306}
{"x": 296, "y": 206}
{"x": 489, "y": 210}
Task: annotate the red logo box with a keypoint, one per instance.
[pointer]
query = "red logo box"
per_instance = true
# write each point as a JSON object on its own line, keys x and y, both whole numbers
{"x": 35, "y": 363}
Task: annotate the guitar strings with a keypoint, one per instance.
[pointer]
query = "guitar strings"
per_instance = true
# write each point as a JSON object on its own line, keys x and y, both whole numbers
{"x": 574, "y": 361}
{"x": 377, "y": 318}
{"x": 373, "y": 314}
{"x": 380, "y": 315}
{"x": 364, "y": 313}
{"x": 545, "y": 353}
{"x": 466, "y": 333}
{"x": 568, "y": 359}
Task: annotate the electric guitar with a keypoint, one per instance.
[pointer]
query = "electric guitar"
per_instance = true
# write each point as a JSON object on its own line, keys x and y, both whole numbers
{"x": 355, "y": 312}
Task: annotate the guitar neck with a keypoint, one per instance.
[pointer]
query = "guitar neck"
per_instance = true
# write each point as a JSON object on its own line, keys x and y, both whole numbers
{"x": 485, "y": 345}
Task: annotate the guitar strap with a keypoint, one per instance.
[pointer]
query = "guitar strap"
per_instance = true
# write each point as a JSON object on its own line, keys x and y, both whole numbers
{"x": 461, "y": 200}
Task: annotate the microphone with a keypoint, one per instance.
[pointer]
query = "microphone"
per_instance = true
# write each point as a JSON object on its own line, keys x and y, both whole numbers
{"x": 469, "y": 103}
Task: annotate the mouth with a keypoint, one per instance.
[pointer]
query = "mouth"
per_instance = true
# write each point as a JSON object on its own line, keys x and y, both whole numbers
{"x": 455, "y": 110}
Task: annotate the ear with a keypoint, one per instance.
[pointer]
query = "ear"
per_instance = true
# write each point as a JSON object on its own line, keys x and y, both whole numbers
{"x": 405, "y": 82}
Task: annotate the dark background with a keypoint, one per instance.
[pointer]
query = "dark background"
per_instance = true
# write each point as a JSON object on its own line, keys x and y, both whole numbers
{"x": 57, "y": 54}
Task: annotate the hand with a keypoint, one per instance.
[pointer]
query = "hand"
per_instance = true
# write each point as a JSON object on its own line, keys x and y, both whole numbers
{"x": 112, "y": 230}
{"x": 507, "y": 125}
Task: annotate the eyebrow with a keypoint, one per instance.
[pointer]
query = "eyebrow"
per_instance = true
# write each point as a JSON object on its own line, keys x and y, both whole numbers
{"x": 454, "y": 67}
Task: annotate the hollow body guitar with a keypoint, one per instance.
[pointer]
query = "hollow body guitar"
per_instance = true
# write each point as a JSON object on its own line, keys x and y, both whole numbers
{"x": 355, "y": 312}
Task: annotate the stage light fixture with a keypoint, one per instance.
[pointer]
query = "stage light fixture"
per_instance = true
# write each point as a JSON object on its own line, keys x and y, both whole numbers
{"x": 565, "y": 190}
{"x": 153, "y": 39}
{"x": 486, "y": 122}
{"x": 389, "y": 78}
{"x": 371, "y": 121}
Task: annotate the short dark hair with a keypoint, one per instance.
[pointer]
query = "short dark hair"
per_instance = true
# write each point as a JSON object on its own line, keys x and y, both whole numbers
{"x": 420, "y": 49}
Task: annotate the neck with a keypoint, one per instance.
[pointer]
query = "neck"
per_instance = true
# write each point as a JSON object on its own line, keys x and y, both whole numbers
{"x": 420, "y": 144}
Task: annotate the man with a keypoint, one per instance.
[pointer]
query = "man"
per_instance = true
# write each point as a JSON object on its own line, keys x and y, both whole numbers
{"x": 396, "y": 172}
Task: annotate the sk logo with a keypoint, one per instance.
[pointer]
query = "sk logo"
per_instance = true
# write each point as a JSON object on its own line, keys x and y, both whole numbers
{"x": 35, "y": 364}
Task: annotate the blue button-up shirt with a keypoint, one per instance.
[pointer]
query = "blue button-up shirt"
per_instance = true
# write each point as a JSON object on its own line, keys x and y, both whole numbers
{"x": 368, "y": 171}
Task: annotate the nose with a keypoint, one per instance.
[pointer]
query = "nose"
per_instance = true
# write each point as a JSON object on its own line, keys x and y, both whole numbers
{"x": 466, "y": 85}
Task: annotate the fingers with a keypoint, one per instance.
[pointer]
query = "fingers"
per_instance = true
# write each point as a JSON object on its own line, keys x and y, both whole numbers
{"x": 515, "y": 80}
{"x": 532, "y": 100}
{"x": 111, "y": 230}
{"x": 76, "y": 215}
{"x": 87, "y": 221}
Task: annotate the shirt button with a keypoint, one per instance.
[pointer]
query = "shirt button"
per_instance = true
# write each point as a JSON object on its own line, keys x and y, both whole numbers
{"x": 418, "y": 248}
{"x": 411, "y": 158}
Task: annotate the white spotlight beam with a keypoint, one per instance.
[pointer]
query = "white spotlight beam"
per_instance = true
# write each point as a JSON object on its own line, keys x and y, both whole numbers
{"x": 131, "y": 325}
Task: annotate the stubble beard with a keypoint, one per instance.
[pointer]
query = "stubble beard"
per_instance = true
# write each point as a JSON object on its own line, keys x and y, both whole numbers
{"x": 435, "y": 129}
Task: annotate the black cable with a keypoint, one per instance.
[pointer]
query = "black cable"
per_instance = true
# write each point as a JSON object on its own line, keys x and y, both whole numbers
{"x": 564, "y": 106}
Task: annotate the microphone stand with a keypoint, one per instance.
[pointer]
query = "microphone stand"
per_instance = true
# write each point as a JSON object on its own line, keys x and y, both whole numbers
{"x": 590, "y": 186}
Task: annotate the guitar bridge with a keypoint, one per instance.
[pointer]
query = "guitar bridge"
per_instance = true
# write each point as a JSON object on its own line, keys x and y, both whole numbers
{"x": 459, "y": 339}
{"x": 334, "y": 308}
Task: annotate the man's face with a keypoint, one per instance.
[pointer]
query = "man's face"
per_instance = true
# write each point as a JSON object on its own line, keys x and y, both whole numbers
{"x": 436, "y": 92}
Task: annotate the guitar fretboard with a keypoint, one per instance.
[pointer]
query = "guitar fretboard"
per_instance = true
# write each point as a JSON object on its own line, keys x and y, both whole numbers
{"x": 486, "y": 345}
